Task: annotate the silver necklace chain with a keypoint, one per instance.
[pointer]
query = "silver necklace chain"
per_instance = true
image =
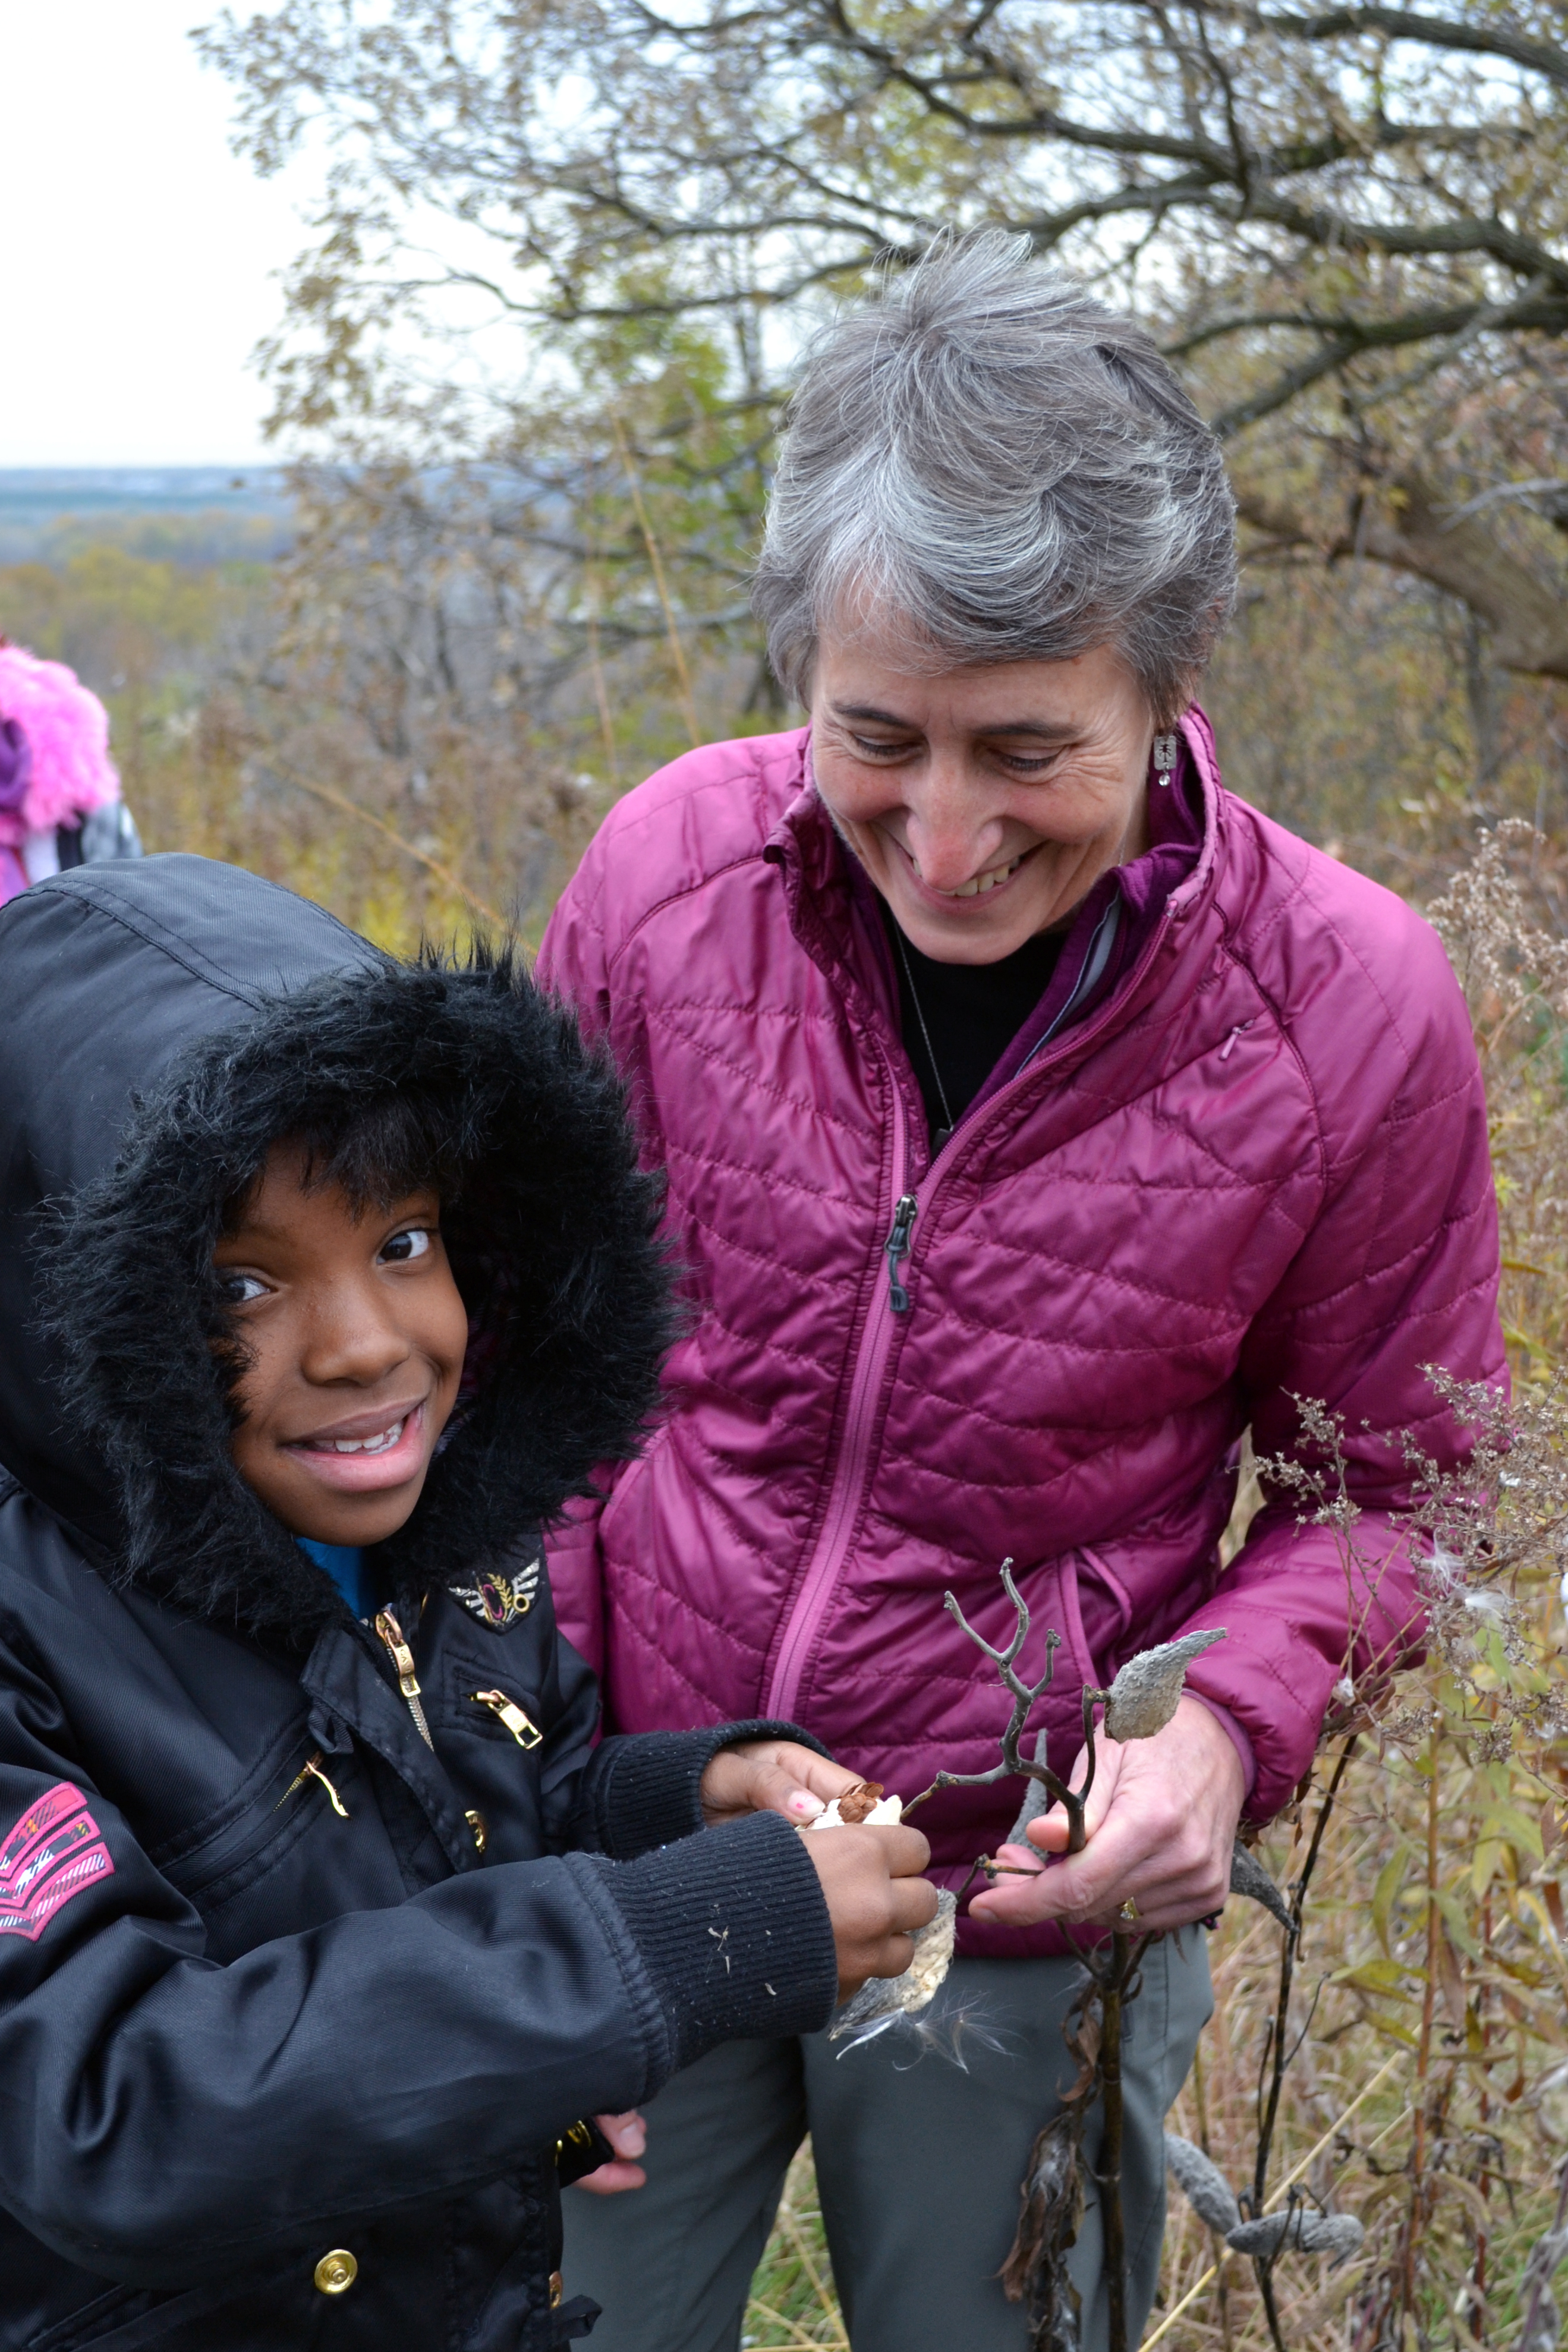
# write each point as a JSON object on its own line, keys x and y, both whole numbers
{"x": 1167, "y": 749}
{"x": 919, "y": 1015}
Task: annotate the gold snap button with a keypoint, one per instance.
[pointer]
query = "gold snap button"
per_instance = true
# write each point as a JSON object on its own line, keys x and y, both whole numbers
{"x": 556, "y": 2289}
{"x": 336, "y": 2272}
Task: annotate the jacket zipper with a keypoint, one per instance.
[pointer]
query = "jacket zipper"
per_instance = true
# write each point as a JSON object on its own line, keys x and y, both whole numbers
{"x": 390, "y": 1633}
{"x": 897, "y": 1248}
{"x": 877, "y": 1335}
{"x": 873, "y": 1348}
{"x": 311, "y": 1770}
{"x": 523, "y": 1730}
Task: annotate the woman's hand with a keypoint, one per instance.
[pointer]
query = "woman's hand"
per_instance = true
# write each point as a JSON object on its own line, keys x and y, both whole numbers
{"x": 770, "y": 1776}
{"x": 628, "y": 2134}
{"x": 1161, "y": 1820}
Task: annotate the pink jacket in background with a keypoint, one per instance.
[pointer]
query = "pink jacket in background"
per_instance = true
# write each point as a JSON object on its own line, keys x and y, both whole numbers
{"x": 1258, "y": 1169}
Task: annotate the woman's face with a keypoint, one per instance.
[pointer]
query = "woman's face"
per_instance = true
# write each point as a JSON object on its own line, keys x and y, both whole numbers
{"x": 983, "y": 802}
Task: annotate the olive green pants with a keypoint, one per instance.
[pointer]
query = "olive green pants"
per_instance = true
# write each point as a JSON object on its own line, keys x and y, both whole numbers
{"x": 918, "y": 2163}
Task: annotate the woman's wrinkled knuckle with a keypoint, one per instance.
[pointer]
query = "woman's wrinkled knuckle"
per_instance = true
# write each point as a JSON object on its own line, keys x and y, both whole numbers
{"x": 1171, "y": 1820}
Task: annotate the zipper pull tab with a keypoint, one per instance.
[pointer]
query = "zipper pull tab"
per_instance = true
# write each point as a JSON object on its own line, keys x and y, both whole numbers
{"x": 897, "y": 1248}
{"x": 526, "y": 1733}
{"x": 311, "y": 1770}
{"x": 390, "y": 1633}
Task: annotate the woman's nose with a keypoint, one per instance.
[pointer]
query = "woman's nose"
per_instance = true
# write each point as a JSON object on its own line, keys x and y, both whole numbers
{"x": 948, "y": 829}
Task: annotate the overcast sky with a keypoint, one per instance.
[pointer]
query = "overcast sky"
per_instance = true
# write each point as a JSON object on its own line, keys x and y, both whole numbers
{"x": 139, "y": 253}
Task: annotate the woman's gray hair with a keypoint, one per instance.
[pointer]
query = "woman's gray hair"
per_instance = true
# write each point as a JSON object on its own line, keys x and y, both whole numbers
{"x": 989, "y": 466}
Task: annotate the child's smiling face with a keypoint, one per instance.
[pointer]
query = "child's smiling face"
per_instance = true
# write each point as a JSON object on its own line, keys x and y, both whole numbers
{"x": 354, "y": 1335}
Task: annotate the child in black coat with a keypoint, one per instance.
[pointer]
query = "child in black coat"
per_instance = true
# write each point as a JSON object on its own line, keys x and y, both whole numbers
{"x": 324, "y": 1927}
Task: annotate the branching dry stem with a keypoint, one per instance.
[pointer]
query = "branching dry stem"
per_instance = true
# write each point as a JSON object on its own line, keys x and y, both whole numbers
{"x": 1024, "y": 1696}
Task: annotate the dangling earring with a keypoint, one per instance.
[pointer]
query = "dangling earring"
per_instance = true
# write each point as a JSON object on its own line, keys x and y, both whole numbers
{"x": 1165, "y": 750}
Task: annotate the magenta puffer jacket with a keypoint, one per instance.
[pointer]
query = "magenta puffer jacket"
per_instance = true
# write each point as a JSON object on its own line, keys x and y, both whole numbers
{"x": 1257, "y": 1171}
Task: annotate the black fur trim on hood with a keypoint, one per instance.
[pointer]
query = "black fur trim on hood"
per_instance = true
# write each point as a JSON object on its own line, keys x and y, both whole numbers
{"x": 553, "y": 1237}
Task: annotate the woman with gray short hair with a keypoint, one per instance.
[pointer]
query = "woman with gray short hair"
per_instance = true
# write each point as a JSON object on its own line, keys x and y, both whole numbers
{"x": 1037, "y": 1118}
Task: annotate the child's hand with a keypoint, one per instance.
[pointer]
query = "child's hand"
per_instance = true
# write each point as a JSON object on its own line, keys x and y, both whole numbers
{"x": 628, "y": 2134}
{"x": 770, "y": 1776}
{"x": 876, "y": 1899}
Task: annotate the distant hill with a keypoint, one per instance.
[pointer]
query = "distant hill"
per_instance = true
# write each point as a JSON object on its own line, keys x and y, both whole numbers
{"x": 217, "y": 511}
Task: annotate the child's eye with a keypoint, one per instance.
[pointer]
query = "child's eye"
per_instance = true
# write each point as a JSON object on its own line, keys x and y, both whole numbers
{"x": 413, "y": 1242}
{"x": 239, "y": 1289}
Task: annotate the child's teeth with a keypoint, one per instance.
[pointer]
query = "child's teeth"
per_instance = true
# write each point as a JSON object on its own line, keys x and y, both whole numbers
{"x": 381, "y": 1444}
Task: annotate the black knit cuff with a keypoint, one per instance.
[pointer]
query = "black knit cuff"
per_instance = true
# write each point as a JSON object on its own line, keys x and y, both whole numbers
{"x": 641, "y": 1790}
{"x": 734, "y": 1932}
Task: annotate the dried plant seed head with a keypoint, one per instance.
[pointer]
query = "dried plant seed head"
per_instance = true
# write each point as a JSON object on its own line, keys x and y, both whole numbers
{"x": 865, "y": 1802}
{"x": 882, "y": 2002}
{"x": 1549, "y": 2100}
{"x": 1147, "y": 1689}
{"x": 1540, "y": 2327}
{"x": 1300, "y": 2229}
{"x": 859, "y": 1803}
{"x": 1248, "y": 1877}
{"x": 1543, "y": 2329}
{"x": 1203, "y": 2185}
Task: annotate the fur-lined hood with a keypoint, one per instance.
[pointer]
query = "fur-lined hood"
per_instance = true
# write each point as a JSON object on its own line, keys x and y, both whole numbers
{"x": 165, "y": 1023}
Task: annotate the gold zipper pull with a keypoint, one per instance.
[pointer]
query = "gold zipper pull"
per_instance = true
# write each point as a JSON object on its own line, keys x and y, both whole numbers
{"x": 526, "y": 1733}
{"x": 390, "y": 1633}
{"x": 311, "y": 1770}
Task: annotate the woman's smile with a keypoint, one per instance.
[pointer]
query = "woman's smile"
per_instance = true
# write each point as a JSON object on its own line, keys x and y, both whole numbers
{"x": 995, "y": 878}
{"x": 983, "y": 804}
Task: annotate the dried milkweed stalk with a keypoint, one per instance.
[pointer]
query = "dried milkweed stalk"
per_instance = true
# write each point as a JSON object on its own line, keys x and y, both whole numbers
{"x": 1024, "y": 1695}
{"x": 1142, "y": 1700}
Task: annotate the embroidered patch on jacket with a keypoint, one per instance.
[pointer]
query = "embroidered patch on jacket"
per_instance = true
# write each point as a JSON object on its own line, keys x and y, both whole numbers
{"x": 499, "y": 1600}
{"x": 53, "y": 1852}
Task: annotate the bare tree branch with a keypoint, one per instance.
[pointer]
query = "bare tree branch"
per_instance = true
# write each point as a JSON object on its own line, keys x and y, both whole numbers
{"x": 1295, "y": 194}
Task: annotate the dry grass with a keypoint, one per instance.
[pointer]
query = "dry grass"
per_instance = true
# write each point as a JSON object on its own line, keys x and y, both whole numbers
{"x": 1360, "y": 2080}
{"x": 792, "y": 2294}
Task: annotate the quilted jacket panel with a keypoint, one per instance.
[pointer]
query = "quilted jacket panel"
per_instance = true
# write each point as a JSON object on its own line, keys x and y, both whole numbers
{"x": 1258, "y": 1171}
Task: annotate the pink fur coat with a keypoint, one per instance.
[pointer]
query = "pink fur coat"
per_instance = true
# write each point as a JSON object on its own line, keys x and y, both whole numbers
{"x": 67, "y": 732}
{"x": 55, "y": 767}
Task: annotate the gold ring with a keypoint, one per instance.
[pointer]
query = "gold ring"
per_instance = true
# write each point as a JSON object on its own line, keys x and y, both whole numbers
{"x": 1127, "y": 1913}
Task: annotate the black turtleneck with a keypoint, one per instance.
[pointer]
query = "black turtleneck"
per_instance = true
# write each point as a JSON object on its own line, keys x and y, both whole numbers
{"x": 972, "y": 1013}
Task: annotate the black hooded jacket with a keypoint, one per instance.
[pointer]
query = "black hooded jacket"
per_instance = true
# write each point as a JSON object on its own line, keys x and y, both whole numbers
{"x": 301, "y": 1984}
